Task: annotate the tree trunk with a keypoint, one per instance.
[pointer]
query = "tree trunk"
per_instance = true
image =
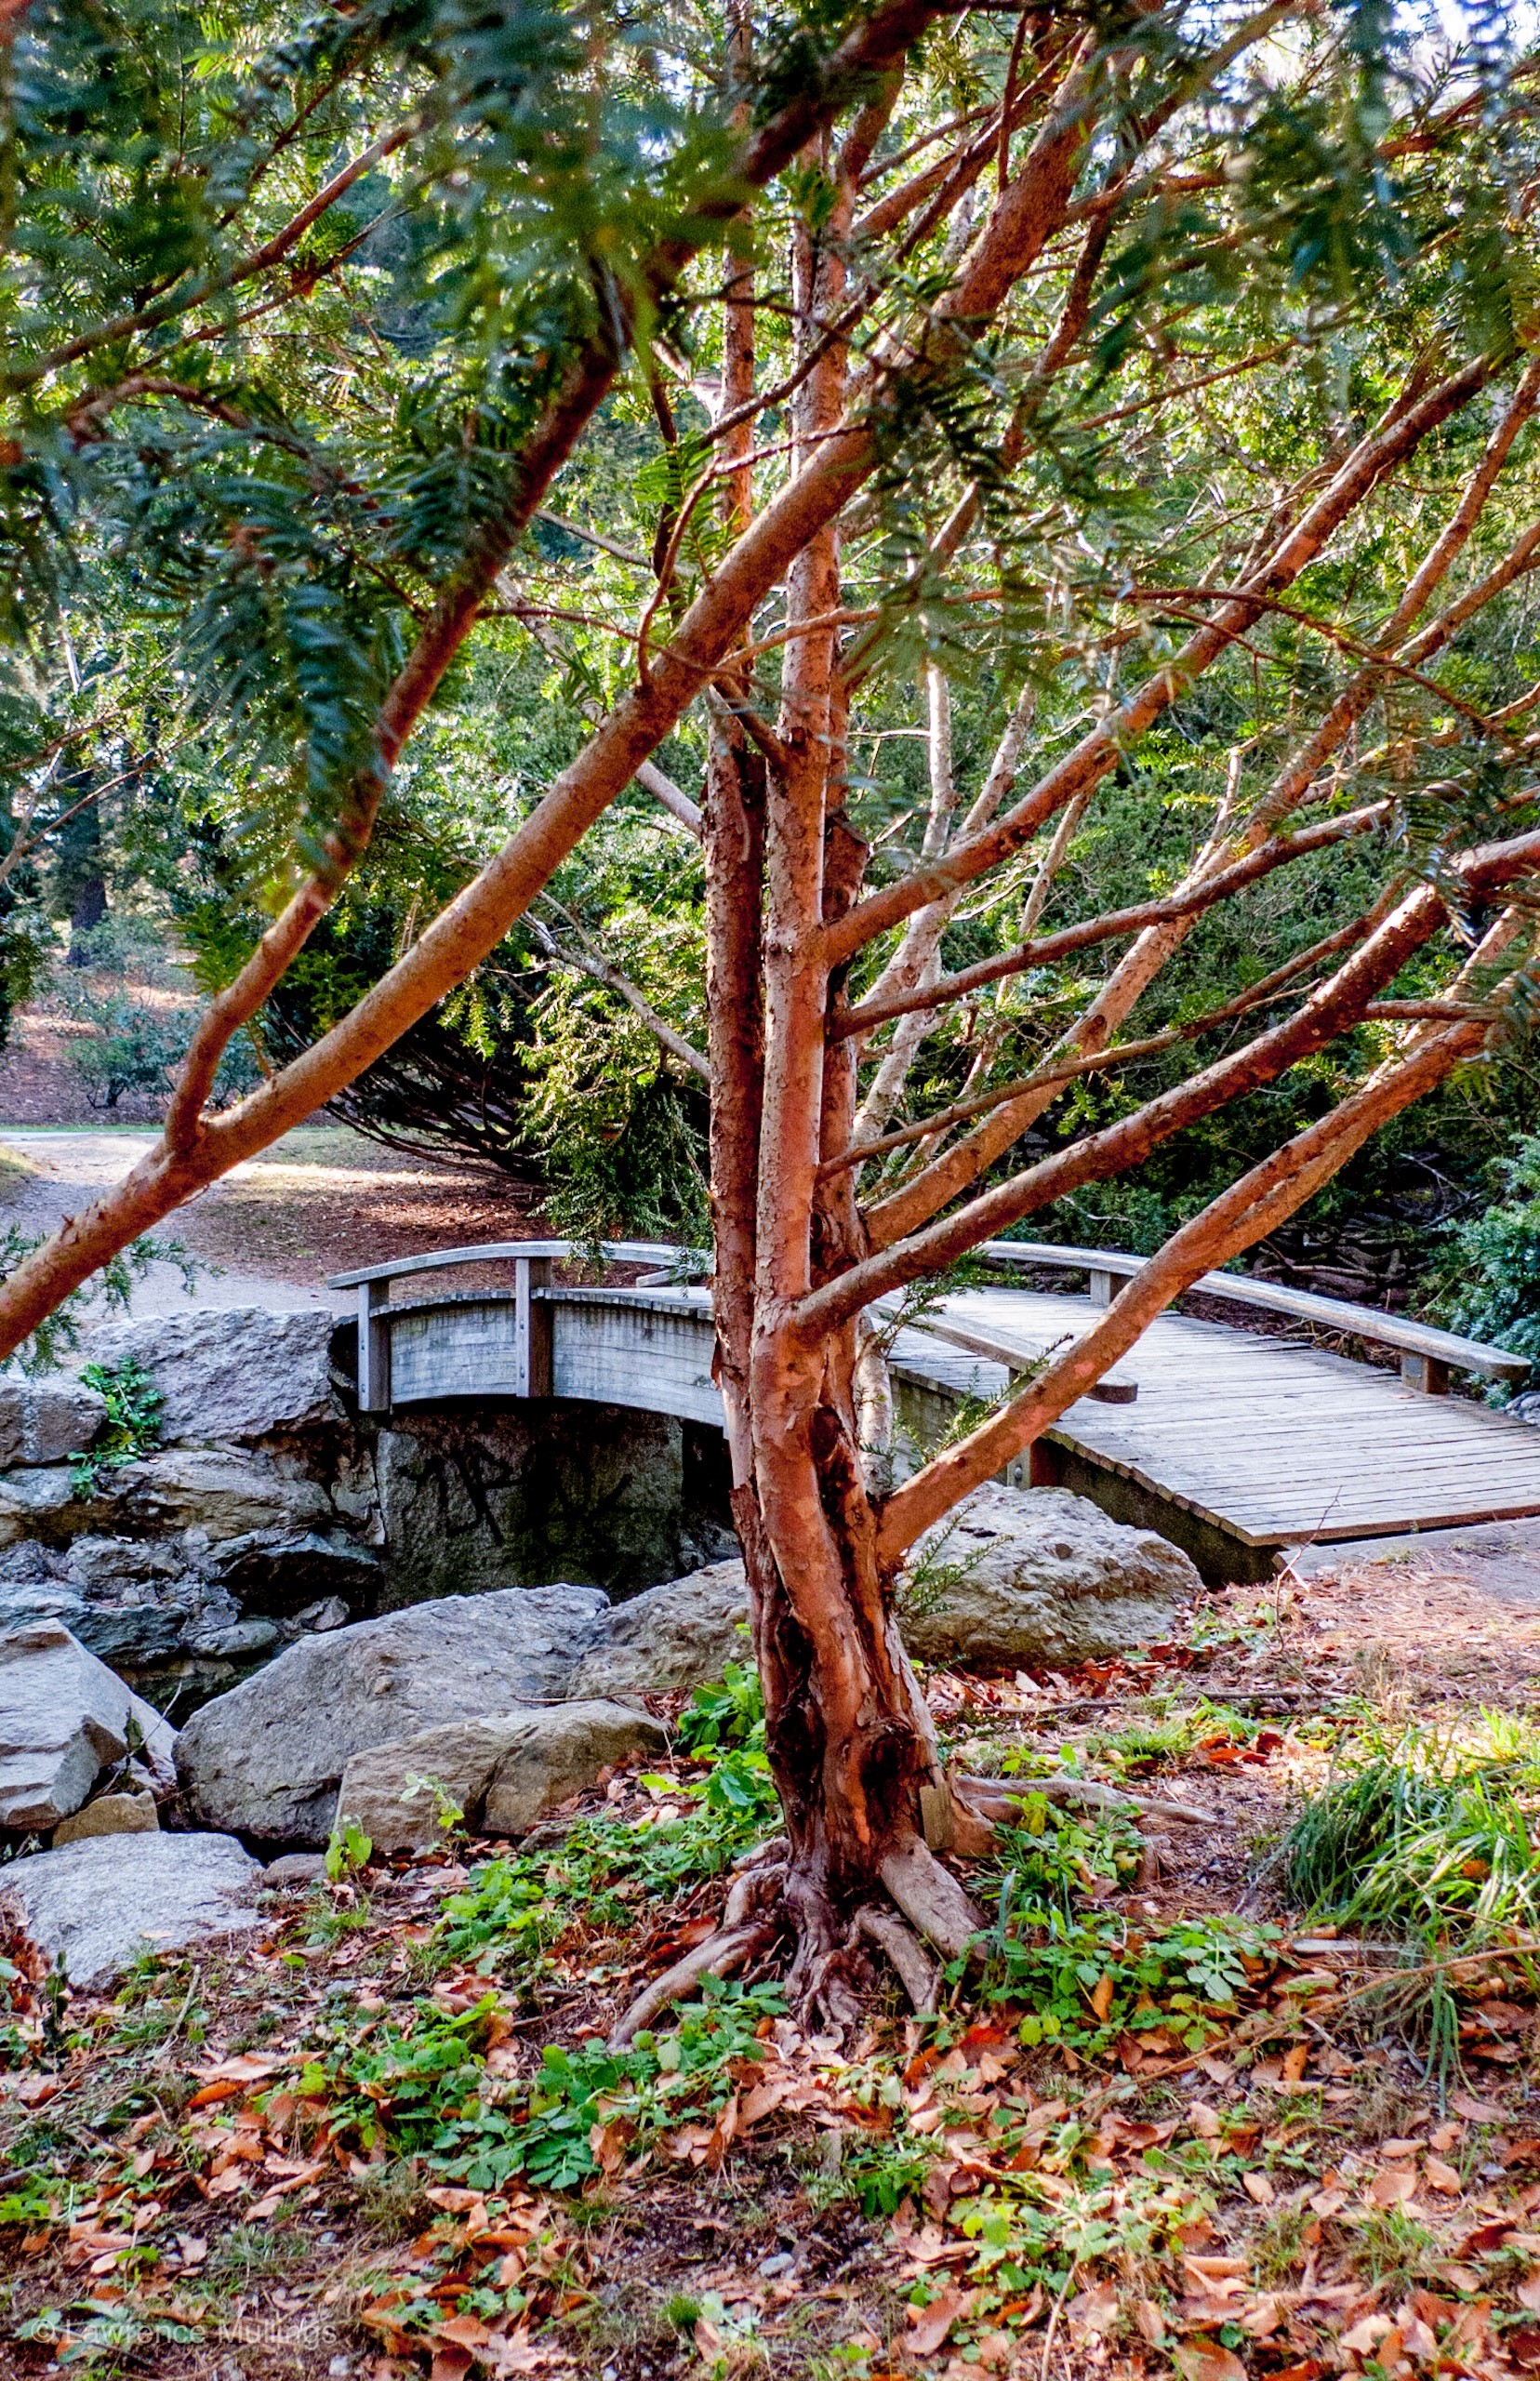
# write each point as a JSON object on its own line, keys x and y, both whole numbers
{"x": 848, "y": 1736}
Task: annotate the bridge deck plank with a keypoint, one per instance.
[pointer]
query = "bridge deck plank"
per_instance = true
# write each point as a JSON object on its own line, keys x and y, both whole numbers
{"x": 1265, "y": 1435}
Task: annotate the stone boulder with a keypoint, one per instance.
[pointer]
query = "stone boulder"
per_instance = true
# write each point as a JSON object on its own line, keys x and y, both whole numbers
{"x": 95, "y": 1906}
{"x": 40, "y": 1501}
{"x": 109, "y": 1814}
{"x": 63, "y": 1717}
{"x": 226, "y": 1494}
{"x": 229, "y": 1378}
{"x": 680, "y": 1634}
{"x": 1039, "y": 1575}
{"x": 267, "y": 1758}
{"x": 46, "y": 1421}
{"x": 502, "y": 1775}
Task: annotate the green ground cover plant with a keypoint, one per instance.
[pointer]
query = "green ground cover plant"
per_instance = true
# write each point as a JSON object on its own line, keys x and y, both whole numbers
{"x": 133, "y": 1426}
{"x": 424, "y": 2091}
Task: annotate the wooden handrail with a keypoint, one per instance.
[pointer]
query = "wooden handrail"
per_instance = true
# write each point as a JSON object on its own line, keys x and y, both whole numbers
{"x": 1429, "y": 1355}
{"x": 618, "y": 1252}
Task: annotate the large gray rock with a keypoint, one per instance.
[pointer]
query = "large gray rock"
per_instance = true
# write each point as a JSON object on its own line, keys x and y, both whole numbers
{"x": 226, "y": 1494}
{"x": 502, "y": 1775}
{"x": 1038, "y": 1575}
{"x": 63, "y": 1717}
{"x": 680, "y": 1634}
{"x": 233, "y": 1377}
{"x": 94, "y": 1907}
{"x": 46, "y": 1421}
{"x": 35, "y": 1501}
{"x": 267, "y": 1757}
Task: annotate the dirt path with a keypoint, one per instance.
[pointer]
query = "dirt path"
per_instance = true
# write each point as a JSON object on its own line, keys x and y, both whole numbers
{"x": 323, "y": 1199}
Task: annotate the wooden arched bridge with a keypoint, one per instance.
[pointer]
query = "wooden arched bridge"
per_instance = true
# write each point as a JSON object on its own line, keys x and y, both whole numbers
{"x": 1235, "y": 1444}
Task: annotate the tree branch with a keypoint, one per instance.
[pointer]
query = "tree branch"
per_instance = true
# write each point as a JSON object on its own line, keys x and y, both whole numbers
{"x": 1264, "y": 1197}
{"x": 590, "y": 961}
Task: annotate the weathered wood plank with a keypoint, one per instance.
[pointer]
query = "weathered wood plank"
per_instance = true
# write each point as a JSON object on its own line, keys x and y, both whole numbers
{"x": 1333, "y": 1314}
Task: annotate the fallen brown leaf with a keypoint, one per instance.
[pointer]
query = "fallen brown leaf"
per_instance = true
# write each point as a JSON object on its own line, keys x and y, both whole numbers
{"x": 1366, "y": 2336}
{"x": 1150, "y": 2321}
{"x": 1206, "y": 2360}
{"x": 929, "y": 2325}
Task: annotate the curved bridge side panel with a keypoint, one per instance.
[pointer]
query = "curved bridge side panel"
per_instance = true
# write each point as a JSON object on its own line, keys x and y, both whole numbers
{"x": 624, "y": 1356}
{"x": 608, "y": 1355}
{"x": 468, "y": 1349}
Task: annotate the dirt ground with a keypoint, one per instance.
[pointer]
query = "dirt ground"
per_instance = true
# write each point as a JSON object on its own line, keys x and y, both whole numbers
{"x": 1285, "y": 2184}
{"x": 323, "y": 1200}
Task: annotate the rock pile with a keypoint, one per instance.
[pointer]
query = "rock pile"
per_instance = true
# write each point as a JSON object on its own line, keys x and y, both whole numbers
{"x": 256, "y": 1522}
{"x": 1035, "y": 1576}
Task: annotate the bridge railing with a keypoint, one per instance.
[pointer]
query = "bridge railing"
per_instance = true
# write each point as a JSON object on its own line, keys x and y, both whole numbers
{"x": 532, "y": 1261}
{"x": 1427, "y": 1355}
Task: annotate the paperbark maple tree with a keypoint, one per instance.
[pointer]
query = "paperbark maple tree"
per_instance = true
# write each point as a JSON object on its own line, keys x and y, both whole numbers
{"x": 956, "y": 301}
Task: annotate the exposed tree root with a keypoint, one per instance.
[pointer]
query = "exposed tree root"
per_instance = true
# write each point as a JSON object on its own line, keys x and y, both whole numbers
{"x": 751, "y": 1921}
{"x": 718, "y": 1955}
{"x": 931, "y": 1899}
{"x": 997, "y": 1798}
{"x": 829, "y": 1976}
{"x": 918, "y": 1975}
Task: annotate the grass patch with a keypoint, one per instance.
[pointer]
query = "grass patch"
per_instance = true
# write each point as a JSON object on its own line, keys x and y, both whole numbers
{"x": 1426, "y": 1837}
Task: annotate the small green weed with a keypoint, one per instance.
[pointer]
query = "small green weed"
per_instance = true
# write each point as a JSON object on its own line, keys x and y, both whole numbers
{"x": 731, "y": 1712}
{"x": 348, "y": 1850}
{"x": 133, "y": 1424}
{"x": 31, "y": 2205}
{"x": 1396, "y": 2249}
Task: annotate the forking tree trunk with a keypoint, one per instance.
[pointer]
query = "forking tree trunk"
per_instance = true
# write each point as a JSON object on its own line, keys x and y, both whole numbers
{"x": 847, "y": 1732}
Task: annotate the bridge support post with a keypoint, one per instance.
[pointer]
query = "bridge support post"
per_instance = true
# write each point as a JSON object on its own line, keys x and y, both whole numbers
{"x": 374, "y": 1348}
{"x": 1101, "y": 1287}
{"x": 532, "y": 1327}
{"x": 1425, "y": 1373}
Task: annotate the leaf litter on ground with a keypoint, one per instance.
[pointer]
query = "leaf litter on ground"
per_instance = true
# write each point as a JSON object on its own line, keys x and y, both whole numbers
{"x": 1144, "y": 2134}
